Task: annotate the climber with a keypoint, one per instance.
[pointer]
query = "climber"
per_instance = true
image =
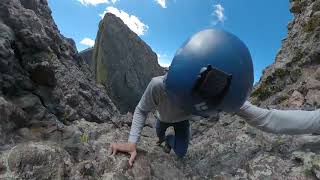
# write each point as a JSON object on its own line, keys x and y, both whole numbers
{"x": 153, "y": 98}
{"x": 212, "y": 64}
{"x": 211, "y": 72}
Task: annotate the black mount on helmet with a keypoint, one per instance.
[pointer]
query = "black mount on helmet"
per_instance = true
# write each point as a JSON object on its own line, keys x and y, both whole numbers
{"x": 211, "y": 85}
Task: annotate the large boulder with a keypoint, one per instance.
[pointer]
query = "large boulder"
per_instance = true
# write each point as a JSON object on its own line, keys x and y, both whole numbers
{"x": 41, "y": 71}
{"x": 12, "y": 117}
{"x": 123, "y": 62}
{"x": 38, "y": 161}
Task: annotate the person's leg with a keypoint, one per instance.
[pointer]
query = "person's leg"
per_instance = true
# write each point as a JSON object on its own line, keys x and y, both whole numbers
{"x": 180, "y": 141}
{"x": 161, "y": 130}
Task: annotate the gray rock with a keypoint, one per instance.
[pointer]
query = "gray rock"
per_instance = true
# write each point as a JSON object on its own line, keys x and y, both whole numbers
{"x": 312, "y": 84}
{"x": 32, "y": 105}
{"x": 38, "y": 161}
{"x": 40, "y": 69}
{"x": 27, "y": 102}
{"x": 87, "y": 55}
{"x": 296, "y": 100}
{"x": 317, "y": 74}
{"x": 11, "y": 117}
{"x": 7, "y": 36}
{"x": 313, "y": 98}
{"x": 114, "y": 176}
{"x": 142, "y": 170}
{"x": 3, "y": 168}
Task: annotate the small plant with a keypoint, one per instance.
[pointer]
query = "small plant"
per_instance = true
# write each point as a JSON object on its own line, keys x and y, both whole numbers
{"x": 308, "y": 172}
{"x": 316, "y": 105}
{"x": 296, "y": 72}
{"x": 280, "y": 140}
{"x": 282, "y": 98}
{"x": 84, "y": 138}
{"x": 271, "y": 85}
{"x": 261, "y": 93}
{"x": 298, "y": 56}
{"x": 280, "y": 73}
{"x": 65, "y": 116}
{"x": 51, "y": 56}
{"x": 265, "y": 91}
{"x": 311, "y": 24}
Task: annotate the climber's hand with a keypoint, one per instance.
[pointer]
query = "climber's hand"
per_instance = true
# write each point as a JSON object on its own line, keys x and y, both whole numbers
{"x": 125, "y": 147}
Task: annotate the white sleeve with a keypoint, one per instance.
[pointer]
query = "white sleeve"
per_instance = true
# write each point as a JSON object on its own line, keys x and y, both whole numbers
{"x": 147, "y": 103}
{"x": 281, "y": 121}
{"x": 138, "y": 121}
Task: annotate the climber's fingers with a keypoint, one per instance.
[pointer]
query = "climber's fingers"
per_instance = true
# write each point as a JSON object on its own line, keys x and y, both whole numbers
{"x": 126, "y": 148}
{"x": 113, "y": 149}
{"x": 132, "y": 157}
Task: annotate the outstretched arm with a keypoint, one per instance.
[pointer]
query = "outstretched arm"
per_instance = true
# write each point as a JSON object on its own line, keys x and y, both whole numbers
{"x": 281, "y": 121}
{"x": 147, "y": 103}
{"x": 138, "y": 121}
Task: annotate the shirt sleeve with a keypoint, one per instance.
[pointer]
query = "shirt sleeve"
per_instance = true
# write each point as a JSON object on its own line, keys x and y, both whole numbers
{"x": 139, "y": 118}
{"x": 290, "y": 122}
{"x": 150, "y": 97}
{"x": 147, "y": 103}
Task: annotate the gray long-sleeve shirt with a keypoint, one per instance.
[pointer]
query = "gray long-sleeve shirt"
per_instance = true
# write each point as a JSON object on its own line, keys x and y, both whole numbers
{"x": 273, "y": 121}
{"x": 155, "y": 97}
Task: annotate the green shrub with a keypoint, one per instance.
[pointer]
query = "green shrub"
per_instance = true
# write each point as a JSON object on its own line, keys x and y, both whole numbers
{"x": 84, "y": 138}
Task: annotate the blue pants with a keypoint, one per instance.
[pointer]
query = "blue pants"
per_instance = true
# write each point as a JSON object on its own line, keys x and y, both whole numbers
{"x": 178, "y": 142}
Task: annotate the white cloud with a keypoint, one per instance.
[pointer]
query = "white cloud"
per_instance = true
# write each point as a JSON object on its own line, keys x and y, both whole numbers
{"x": 164, "y": 64}
{"x": 96, "y": 2}
{"x": 131, "y": 21}
{"x": 163, "y": 60}
{"x": 87, "y": 42}
{"x": 219, "y": 14}
{"x": 162, "y": 3}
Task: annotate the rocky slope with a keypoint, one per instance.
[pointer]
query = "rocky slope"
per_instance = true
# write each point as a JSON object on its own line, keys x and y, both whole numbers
{"x": 42, "y": 78}
{"x": 45, "y": 148}
{"x": 123, "y": 62}
{"x": 293, "y": 80}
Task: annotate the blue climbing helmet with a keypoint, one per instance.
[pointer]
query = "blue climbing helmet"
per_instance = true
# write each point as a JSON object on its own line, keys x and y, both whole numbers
{"x": 212, "y": 71}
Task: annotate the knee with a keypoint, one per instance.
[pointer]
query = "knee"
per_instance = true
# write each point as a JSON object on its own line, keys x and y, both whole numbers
{"x": 181, "y": 152}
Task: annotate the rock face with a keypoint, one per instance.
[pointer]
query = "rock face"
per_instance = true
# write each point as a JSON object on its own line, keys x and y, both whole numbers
{"x": 87, "y": 56}
{"x": 42, "y": 78}
{"x": 293, "y": 80}
{"x": 123, "y": 63}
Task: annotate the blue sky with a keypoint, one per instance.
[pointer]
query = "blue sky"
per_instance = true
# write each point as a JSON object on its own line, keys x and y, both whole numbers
{"x": 166, "y": 24}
